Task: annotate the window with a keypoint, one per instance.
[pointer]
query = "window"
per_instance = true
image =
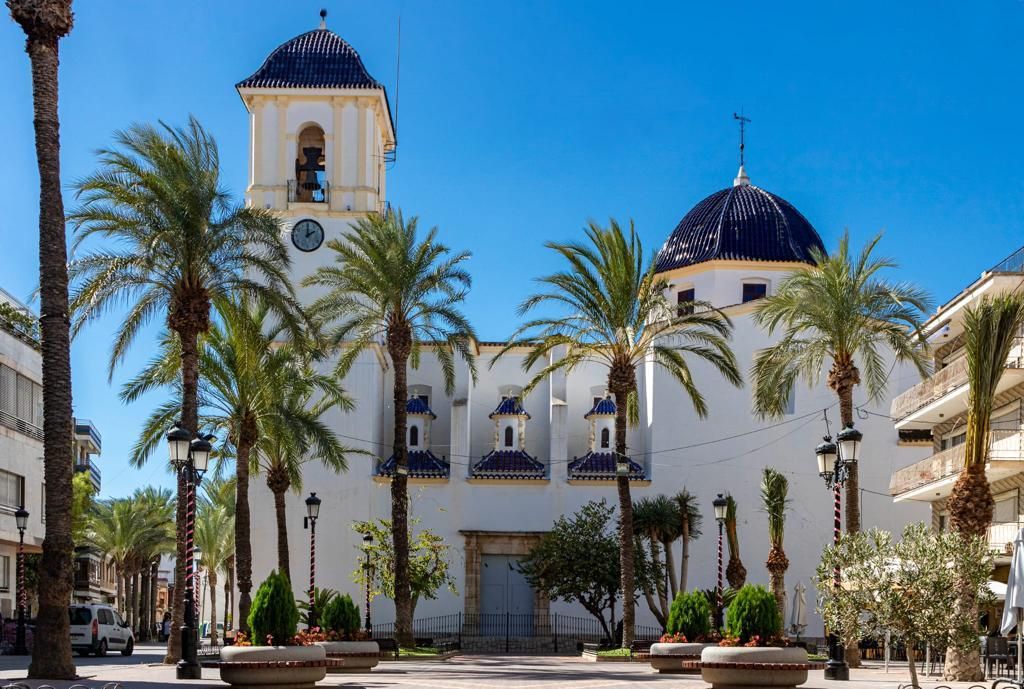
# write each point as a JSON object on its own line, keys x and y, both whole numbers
{"x": 12, "y": 489}
{"x": 754, "y": 290}
{"x": 20, "y": 398}
{"x": 105, "y": 616}
{"x": 80, "y": 616}
{"x": 508, "y": 436}
{"x": 414, "y": 436}
{"x": 953, "y": 440}
{"x": 684, "y": 302}
{"x": 120, "y": 620}
{"x": 310, "y": 167}
{"x": 942, "y": 522}
{"x": 1005, "y": 511}
{"x": 605, "y": 438}
{"x": 42, "y": 502}
{"x": 5, "y": 573}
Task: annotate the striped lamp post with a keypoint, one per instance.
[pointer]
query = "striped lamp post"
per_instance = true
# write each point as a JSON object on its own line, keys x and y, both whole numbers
{"x": 312, "y": 512}
{"x": 721, "y": 505}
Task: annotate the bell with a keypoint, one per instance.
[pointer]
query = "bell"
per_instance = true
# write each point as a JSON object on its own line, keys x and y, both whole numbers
{"x": 309, "y": 181}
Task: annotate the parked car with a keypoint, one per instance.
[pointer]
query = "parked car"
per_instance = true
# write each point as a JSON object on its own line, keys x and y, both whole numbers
{"x": 98, "y": 629}
{"x": 206, "y": 628}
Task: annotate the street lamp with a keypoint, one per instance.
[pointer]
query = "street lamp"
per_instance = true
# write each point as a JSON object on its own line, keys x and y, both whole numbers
{"x": 312, "y": 512}
{"x": 721, "y": 505}
{"x": 367, "y": 542}
{"x": 21, "y": 520}
{"x": 190, "y": 456}
{"x": 834, "y": 463}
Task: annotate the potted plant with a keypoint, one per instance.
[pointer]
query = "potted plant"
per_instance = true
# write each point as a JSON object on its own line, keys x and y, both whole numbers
{"x": 687, "y": 632}
{"x": 344, "y": 637}
{"x": 275, "y": 655}
{"x": 753, "y": 652}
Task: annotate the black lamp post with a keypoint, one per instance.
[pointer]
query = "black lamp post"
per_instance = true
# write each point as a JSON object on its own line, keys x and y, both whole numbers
{"x": 721, "y": 505}
{"x": 190, "y": 455}
{"x": 21, "y": 519}
{"x": 367, "y": 542}
{"x": 312, "y": 512}
{"x": 834, "y": 464}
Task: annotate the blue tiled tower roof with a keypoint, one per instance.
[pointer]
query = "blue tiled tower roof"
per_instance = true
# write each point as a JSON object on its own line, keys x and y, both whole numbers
{"x": 315, "y": 59}
{"x": 744, "y": 223}
{"x": 604, "y": 407}
{"x": 510, "y": 406}
{"x": 417, "y": 406}
{"x": 517, "y": 464}
{"x": 596, "y": 466}
{"x": 422, "y": 464}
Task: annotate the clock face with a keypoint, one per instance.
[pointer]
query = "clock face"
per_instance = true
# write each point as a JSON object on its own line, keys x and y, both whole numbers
{"x": 307, "y": 235}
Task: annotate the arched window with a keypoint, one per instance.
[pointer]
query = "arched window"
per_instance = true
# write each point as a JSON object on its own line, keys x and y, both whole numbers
{"x": 310, "y": 167}
{"x": 605, "y": 437}
{"x": 508, "y": 436}
{"x": 414, "y": 436}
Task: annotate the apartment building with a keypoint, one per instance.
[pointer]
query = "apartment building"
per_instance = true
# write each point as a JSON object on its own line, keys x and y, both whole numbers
{"x": 934, "y": 413}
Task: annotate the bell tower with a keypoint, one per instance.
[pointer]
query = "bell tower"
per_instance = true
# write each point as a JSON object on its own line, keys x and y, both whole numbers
{"x": 320, "y": 138}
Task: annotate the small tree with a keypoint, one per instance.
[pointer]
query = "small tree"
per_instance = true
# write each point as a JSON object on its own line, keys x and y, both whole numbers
{"x": 690, "y": 616}
{"x": 908, "y": 588}
{"x": 753, "y": 615}
{"x": 341, "y": 616}
{"x": 428, "y": 562}
{"x": 273, "y": 616}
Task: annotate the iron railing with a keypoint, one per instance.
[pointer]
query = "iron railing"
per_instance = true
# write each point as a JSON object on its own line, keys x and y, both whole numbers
{"x": 1004, "y": 445}
{"x": 309, "y": 192}
{"x": 14, "y": 423}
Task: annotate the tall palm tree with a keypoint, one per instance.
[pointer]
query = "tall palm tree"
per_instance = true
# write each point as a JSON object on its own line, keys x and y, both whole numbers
{"x": 220, "y": 492}
{"x": 614, "y": 312}
{"x": 296, "y": 437}
{"x": 157, "y": 505}
{"x": 991, "y": 328}
{"x": 775, "y": 501}
{"x": 735, "y": 572}
{"x": 45, "y": 22}
{"x": 241, "y": 364}
{"x": 177, "y": 246}
{"x": 215, "y": 536}
{"x": 690, "y": 523}
{"x": 111, "y": 532}
{"x": 839, "y": 311}
{"x": 391, "y": 282}
{"x": 656, "y": 521}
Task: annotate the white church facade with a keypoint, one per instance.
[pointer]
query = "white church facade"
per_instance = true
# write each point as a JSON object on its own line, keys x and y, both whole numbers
{"x": 490, "y": 470}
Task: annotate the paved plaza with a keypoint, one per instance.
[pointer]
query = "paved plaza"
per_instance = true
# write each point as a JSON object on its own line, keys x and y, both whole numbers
{"x": 144, "y": 671}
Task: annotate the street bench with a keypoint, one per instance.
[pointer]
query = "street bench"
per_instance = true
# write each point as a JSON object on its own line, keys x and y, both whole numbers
{"x": 388, "y": 646}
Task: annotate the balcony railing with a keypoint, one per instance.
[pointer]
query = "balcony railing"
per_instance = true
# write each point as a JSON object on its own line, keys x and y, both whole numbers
{"x": 943, "y": 382}
{"x": 309, "y": 192}
{"x": 1001, "y": 536}
{"x": 13, "y": 422}
{"x": 1003, "y": 446}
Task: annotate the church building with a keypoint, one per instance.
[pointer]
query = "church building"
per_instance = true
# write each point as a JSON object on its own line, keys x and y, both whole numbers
{"x": 491, "y": 469}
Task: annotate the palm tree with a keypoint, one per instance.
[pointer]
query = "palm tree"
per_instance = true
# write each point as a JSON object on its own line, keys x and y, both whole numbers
{"x": 215, "y": 536}
{"x": 178, "y": 247}
{"x": 389, "y": 282}
{"x": 775, "y": 501}
{"x": 991, "y": 328}
{"x": 111, "y": 532}
{"x": 158, "y": 507}
{"x": 220, "y": 492}
{"x": 735, "y": 572}
{"x": 656, "y": 520}
{"x": 690, "y": 523}
{"x": 45, "y": 22}
{"x": 615, "y": 313}
{"x": 298, "y": 436}
{"x": 838, "y": 311}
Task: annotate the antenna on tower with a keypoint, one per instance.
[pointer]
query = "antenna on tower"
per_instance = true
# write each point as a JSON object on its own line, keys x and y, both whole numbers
{"x": 742, "y": 130}
{"x": 392, "y": 155}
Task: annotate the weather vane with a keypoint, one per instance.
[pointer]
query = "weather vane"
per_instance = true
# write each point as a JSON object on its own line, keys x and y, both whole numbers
{"x": 743, "y": 127}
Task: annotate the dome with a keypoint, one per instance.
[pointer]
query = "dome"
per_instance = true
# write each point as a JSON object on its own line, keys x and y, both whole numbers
{"x": 316, "y": 59}
{"x": 741, "y": 223}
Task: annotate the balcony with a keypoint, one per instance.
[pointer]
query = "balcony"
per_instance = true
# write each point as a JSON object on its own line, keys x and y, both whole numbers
{"x": 1001, "y": 536}
{"x": 309, "y": 191}
{"x": 933, "y": 478}
{"x": 944, "y": 394}
{"x": 89, "y": 436}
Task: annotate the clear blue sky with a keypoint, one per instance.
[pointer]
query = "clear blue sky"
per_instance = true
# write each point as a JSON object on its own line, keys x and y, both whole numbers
{"x": 518, "y": 121}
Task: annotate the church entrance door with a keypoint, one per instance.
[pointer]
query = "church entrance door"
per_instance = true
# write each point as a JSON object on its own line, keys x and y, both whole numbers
{"x": 506, "y": 598}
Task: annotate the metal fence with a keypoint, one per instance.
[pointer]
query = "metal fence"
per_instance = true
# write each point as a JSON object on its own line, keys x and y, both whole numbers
{"x": 511, "y": 632}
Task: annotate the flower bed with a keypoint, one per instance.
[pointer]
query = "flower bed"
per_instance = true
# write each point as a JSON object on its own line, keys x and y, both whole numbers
{"x": 670, "y": 657}
{"x": 744, "y": 666}
{"x": 357, "y": 656}
{"x": 282, "y": 667}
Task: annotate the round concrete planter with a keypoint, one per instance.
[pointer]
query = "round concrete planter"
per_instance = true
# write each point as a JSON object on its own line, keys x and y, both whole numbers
{"x": 359, "y": 656}
{"x": 282, "y": 667}
{"x": 731, "y": 666}
{"x": 668, "y": 658}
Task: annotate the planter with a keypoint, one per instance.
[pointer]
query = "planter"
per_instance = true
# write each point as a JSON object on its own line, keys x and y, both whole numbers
{"x": 668, "y": 658}
{"x": 723, "y": 666}
{"x": 282, "y": 667}
{"x": 358, "y": 656}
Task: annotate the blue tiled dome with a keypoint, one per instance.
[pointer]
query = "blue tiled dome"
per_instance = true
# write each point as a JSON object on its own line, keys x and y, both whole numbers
{"x": 510, "y": 406}
{"x": 316, "y": 59}
{"x": 604, "y": 407}
{"x": 744, "y": 223}
{"x": 417, "y": 406}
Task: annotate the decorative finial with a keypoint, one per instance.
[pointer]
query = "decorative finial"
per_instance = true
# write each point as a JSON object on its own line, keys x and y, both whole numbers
{"x": 323, "y": 18}
{"x": 741, "y": 179}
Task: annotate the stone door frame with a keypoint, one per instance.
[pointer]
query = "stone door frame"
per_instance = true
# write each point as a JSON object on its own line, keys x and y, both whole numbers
{"x": 516, "y": 543}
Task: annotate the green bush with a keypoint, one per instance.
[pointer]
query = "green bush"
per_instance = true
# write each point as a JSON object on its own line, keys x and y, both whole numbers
{"x": 342, "y": 616}
{"x": 273, "y": 613}
{"x": 754, "y": 612}
{"x": 690, "y": 615}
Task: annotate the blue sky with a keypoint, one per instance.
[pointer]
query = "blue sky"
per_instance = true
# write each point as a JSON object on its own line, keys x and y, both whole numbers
{"x": 518, "y": 121}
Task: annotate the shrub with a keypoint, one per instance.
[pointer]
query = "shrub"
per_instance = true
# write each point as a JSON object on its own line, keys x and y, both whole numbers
{"x": 754, "y": 614}
{"x": 690, "y": 616}
{"x": 273, "y": 617}
{"x": 341, "y": 616}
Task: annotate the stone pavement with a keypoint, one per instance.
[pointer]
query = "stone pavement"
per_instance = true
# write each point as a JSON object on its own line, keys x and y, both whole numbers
{"x": 144, "y": 671}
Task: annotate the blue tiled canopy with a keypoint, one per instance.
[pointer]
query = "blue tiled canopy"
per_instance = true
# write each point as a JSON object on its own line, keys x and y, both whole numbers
{"x": 509, "y": 464}
{"x": 422, "y": 464}
{"x": 601, "y": 466}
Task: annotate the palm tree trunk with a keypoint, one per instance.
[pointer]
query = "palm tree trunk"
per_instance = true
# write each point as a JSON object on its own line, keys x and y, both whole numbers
{"x": 621, "y": 392}
{"x": 135, "y": 601}
{"x": 670, "y": 568}
{"x": 844, "y": 388}
{"x": 283, "y": 566}
{"x": 684, "y": 566}
{"x": 154, "y": 575}
{"x": 229, "y": 594}
{"x": 212, "y": 578}
{"x": 660, "y": 584}
{"x": 120, "y": 591}
{"x": 399, "y": 342}
{"x": 145, "y": 623}
{"x": 44, "y": 24}
{"x": 247, "y": 437}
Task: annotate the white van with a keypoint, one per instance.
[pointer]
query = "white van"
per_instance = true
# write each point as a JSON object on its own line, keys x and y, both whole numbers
{"x": 98, "y": 629}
